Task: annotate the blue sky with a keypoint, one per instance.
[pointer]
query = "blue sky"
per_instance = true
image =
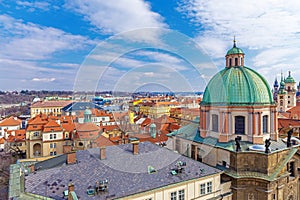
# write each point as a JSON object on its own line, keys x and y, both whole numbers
{"x": 133, "y": 44}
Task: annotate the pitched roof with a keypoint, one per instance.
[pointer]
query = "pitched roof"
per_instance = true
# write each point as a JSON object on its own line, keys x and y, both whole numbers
{"x": 19, "y": 136}
{"x": 79, "y": 106}
{"x": 117, "y": 170}
{"x": 86, "y": 127}
{"x": 102, "y": 141}
{"x": 11, "y": 121}
{"x": 2, "y": 140}
{"x": 42, "y": 104}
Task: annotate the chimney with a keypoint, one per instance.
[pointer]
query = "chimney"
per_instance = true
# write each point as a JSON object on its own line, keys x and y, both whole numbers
{"x": 70, "y": 189}
{"x": 120, "y": 141}
{"x": 67, "y": 148}
{"x": 135, "y": 147}
{"x": 102, "y": 153}
{"x": 32, "y": 168}
{"x": 71, "y": 157}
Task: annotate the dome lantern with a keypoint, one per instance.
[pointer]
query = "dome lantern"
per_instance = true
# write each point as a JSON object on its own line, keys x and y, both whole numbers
{"x": 235, "y": 56}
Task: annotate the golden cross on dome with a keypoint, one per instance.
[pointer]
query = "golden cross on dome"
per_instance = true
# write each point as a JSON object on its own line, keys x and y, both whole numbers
{"x": 234, "y": 41}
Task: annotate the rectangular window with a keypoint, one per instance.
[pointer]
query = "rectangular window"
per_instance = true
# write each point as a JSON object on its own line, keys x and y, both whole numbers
{"x": 215, "y": 123}
{"x": 239, "y": 125}
{"x": 36, "y": 134}
{"x": 51, "y": 136}
{"x": 265, "y": 124}
{"x": 173, "y": 196}
{"x": 209, "y": 187}
{"x": 51, "y": 145}
{"x": 54, "y": 136}
{"x": 181, "y": 194}
{"x": 54, "y": 145}
{"x": 51, "y": 153}
{"x": 54, "y": 153}
{"x": 202, "y": 189}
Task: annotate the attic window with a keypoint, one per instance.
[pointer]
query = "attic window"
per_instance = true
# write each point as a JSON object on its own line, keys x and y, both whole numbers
{"x": 151, "y": 170}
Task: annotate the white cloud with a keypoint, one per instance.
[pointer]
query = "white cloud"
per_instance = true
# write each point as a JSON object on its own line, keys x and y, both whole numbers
{"x": 268, "y": 29}
{"x": 150, "y": 74}
{"x": 43, "y": 79}
{"x": 28, "y": 41}
{"x": 32, "y": 6}
{"x": 116, "y": 16}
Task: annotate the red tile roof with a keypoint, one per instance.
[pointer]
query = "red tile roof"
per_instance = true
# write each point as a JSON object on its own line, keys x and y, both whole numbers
{"x": 2, "y": 140}
{"x": 20, "y": 136}
{"x": 110, "y": 127}
{"x": 102, "y": 141}
{"x": 11, "y": 121}
{"x": 86, "y": 127}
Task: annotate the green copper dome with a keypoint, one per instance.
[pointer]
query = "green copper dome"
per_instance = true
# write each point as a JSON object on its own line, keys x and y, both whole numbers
{"x": 238, "y": 86}
{"x": 234, "y": 50}
{"x": 289, "y": 79}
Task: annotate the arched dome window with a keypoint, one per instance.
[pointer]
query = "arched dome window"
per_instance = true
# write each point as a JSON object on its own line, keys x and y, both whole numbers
{"x": 230, "y": 62}
{"x": 236, "y": 62}
{"x": 239, "y": 127}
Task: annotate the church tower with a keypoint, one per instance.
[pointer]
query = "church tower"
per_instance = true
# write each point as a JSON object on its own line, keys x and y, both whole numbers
{"x": 238, "y": 102}
{"x": 238, "y": 133}
{"x": 290, "y": 87}
{"x": 275, "y": 89}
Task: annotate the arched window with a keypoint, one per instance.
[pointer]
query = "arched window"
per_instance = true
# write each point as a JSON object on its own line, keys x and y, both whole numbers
{"x": 281, "y": 103}
{"x": 236, "y": 61}
{"x": 265, "y": 124}
{"x": 241, "y": 61}
{"x": 230, "y": 62}
{"x": 239, "y": 125}
{"x": 215, "y": 122}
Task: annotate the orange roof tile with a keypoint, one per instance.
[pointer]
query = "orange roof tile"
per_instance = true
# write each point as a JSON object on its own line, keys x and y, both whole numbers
{"x": 86, "y": 127}
{"x": 2, "y": 140}
{"x": 102, "y": 141}
{"x": 19, "y": 136}
{"x": 11, "y": 121}
{"x": 52, "y": 123}
{"x": 110, "y": 127}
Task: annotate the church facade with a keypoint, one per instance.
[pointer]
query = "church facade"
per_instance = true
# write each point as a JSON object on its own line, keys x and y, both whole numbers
{"x": 237, "y": 132}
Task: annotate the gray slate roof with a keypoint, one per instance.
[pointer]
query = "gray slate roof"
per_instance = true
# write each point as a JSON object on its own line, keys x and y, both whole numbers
{"x": 127, "y": 174}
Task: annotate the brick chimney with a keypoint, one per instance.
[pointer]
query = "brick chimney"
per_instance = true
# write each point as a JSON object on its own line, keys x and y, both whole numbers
{"x": 102, "y": 153}
{"x": 67, "y": 148}
{"x": 70, "y": 189}
{"x": 32, "y": 168}
{"x": 135, "y": 147}
{"x": 71, "y": 157}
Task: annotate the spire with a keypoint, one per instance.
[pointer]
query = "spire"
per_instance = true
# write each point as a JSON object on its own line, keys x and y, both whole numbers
{"x": 289, "y": 73}
{"x": 234, "y": 41}
{"x": 276, "y": 82}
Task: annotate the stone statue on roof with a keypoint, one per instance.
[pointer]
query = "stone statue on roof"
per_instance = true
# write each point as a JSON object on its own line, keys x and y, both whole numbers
{"x": 238, "y": 143}
{"x": 267, "y": 145}
{"x": 290, "y": 133}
